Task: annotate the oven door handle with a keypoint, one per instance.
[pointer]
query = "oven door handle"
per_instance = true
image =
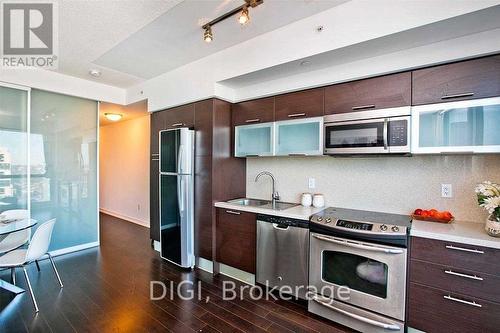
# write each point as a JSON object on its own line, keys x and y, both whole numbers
{"x": 391, "y": 327}
{"x": 358, "y": 246}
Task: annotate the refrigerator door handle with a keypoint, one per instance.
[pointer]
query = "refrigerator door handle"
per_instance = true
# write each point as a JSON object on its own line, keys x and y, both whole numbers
{"x": 180, "y": 195}
{"x": 179, "y": 159}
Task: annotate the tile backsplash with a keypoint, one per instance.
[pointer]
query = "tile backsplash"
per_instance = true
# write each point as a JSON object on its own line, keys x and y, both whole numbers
{"x": 386, "y": 184}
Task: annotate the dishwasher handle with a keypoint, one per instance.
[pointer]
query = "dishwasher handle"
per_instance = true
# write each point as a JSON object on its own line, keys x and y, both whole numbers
{"x": 280, "y": 227}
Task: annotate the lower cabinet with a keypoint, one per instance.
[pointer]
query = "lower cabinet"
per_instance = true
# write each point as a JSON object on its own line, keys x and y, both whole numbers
{"x": 453, "y": 287}
{"x": 236, "y": 237}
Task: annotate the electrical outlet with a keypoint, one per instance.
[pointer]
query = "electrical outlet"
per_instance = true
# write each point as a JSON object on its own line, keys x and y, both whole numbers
{"x": 312, "y": 183}
{"x": 446, "y": 191}
{"x": 138, "y": 207}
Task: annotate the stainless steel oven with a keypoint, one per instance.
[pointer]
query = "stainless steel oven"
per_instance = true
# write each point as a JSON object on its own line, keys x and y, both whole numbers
{"x": 364, "y": 253}
{"x": 385, "y": 131}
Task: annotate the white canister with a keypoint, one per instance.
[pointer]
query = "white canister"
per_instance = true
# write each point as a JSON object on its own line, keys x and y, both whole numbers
{"x": 318, "y": 200}
{"x": 306, "y": 199}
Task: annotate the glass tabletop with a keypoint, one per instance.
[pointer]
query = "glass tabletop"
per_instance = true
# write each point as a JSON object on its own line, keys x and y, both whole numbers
{"x": 7, "y": 228}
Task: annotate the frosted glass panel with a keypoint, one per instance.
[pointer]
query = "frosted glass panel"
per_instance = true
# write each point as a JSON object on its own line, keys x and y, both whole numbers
{"x": 64, "y": 166}
{"x": 298, "y": 138}
{"x": 254, "y": 140}
{"x": 13, "y": 149}
{"x": 472, "y": 126}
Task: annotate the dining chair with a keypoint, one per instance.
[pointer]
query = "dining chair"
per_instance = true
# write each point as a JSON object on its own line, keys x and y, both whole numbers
{"x": 37, "y": 248}
{"x": 18, "y": 238}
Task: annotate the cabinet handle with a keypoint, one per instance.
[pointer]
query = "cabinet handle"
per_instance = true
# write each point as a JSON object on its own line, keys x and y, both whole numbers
{"x": 448, "y": 297}
{"x": 295, "y": 115}
{"x": 361, "y": 107}
{"x": 155, "y": 159}
{"x": 256, "y": 120}
{"x": 451, "y": 247}
{"x": 458, "y": 95}
{"x": 457, "y": 152}
{"x": 155, "y": 154}
{"x": 177, "y": 124}
{"x": 233, "y": 212}
{"x": 472, "y": 277}
{"x": 252, "y": 155}
{"x": 297, "y": 154}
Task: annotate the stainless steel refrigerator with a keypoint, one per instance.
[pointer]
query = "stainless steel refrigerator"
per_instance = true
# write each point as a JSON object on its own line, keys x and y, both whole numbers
{"x": 177, "y": 196}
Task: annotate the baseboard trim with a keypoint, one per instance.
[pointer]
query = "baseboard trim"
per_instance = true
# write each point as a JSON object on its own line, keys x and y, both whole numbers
{"x": 125, "y": 217}
{"x": 73, "y": 249}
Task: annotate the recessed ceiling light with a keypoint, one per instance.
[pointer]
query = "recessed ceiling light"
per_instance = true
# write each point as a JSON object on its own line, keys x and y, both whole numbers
{"x": 95, "y": 72}
{"x": 113, "y": 116}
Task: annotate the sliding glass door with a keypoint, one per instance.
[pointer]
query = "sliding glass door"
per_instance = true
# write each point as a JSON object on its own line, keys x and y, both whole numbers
{"x": 14, "y": 182}
{"x": 63, "y": 155}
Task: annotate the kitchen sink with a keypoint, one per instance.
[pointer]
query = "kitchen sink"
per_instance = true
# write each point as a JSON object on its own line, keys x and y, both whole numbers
{"x": 250, "y": 202}
{"x": 279, "y": 205}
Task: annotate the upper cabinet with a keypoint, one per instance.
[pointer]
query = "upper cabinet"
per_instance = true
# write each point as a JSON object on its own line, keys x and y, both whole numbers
{"x": 181, "y": 116}
{"x": 457, "y": 127}
{"x": 376, "y": 93}
{"x": 472, "y": 79}
{"x": 254, "y": 140}
{"x": 301, "y": 104}
{"x": 251, "y": 112}
{"x": 299, "y": 137}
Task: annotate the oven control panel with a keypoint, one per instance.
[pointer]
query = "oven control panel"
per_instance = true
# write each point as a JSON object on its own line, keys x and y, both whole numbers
{"x": 358, "y": 226}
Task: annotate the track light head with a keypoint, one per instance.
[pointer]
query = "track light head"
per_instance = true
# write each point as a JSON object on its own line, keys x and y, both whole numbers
{"x": 244, "y": 16}
{"x": 208, "y": 36}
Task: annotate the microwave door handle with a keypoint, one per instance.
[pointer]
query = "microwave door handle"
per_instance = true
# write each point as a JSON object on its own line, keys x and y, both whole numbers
{"x": 358, "y": 245}
{"x": 391, "y": 327}
{"x": 386, "y": 133}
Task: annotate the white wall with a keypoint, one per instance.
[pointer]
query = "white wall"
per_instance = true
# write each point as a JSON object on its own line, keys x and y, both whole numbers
{"x": 63, "y": 84}
{"x": 387, "y": 184}
{"x": 351, "y": 23}
{"x": 124, "y": 170}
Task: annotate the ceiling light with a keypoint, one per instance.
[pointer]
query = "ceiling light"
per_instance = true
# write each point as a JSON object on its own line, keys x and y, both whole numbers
{"x": 207, "y": 36}
{"x": 244, "y": 16}
{"x": 95, "y": 72}
{"x": 305, "y": 63}
{"x": 113, "y": 116}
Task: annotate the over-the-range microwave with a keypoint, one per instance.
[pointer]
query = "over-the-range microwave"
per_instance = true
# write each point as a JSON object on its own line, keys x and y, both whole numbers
{"x": 382, "y": 131}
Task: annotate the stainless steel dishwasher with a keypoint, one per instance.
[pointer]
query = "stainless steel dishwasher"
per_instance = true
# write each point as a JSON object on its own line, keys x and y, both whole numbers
{"x": 282, "y": 253}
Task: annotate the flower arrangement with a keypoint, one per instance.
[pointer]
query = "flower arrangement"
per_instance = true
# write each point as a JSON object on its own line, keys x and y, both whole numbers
{"x": 488, "y": 196}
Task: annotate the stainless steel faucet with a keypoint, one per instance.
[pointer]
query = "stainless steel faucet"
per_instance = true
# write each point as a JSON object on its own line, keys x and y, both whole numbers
{"x": 275, "y": 196}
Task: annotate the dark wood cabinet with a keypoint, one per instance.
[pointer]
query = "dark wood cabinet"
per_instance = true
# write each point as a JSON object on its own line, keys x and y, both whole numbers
{"x": 478, "y": 78}
{"x": 435, "y": 310}
{"x": 154, "y": 206}
{"x": 218, "y": 175}
{"x": 255, "y": 111}
{"x": 157, "y": 120}
{"x": 180, "y": 116}
{"x": 375, "y": 93}
{"x": 453, "y": 287}
{"x": 301, "y": 104}
{"x": 236, "y": 237}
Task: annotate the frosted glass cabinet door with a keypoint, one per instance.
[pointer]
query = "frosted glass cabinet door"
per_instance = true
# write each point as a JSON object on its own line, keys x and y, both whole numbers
{"x": 254, "y": 140}
{"x": 457, "y": 127}
{"x": 299, "y": 137}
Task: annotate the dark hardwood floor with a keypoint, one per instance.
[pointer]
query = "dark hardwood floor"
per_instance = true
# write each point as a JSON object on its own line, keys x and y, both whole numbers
{"x": 107, "y": 289}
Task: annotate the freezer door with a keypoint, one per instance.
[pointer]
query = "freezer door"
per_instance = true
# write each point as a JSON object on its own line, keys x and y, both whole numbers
{"x": 176, "y": 219}
{"x": 176, "y": 151}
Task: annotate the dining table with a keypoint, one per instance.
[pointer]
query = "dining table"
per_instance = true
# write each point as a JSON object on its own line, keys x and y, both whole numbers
{"x": 6, "y": 228}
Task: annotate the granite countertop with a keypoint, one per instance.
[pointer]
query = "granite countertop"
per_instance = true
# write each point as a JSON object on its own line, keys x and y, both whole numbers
{"x": 461, "y": 232}
{"x": 298, "y": 212}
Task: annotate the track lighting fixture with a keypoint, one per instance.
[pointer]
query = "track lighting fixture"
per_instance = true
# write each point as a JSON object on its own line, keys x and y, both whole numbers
{"x": 208, "y": 36}
{"x": 243, "y": 18}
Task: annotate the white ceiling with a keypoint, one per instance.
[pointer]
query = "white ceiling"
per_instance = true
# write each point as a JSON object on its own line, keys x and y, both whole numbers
{"x": 134, "y": 40}
{"x": 463, "y": 25}
{"x": 130, "y": 111}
